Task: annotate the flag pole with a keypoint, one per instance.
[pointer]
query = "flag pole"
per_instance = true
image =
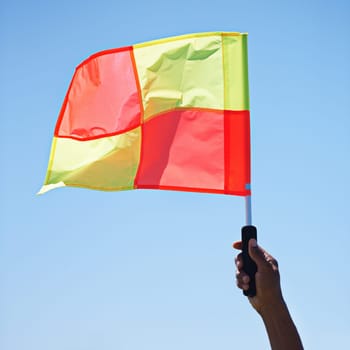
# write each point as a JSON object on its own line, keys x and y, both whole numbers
{"x": 249, "y": 232}
{"x": 248, "y": 210}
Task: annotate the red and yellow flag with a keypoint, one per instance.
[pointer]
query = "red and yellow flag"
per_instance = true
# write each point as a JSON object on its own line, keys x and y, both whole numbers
{"x": 167, "y": 114}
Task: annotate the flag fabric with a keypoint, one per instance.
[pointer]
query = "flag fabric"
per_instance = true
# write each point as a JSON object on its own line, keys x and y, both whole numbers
{"x": 167, "y": 114}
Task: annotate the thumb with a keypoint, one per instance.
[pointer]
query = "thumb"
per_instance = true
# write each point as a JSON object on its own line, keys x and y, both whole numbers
{"x": 257, "y": 253}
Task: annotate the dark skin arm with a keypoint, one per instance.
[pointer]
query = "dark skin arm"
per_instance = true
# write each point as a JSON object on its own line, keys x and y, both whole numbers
{"x": 268, "y": 302}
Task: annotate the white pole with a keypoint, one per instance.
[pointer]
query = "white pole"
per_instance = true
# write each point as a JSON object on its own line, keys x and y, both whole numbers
{"x": 248, "y": 210}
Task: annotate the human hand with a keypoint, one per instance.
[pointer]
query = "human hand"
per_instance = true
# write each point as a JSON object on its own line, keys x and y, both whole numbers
{"x": 267, "y": 277}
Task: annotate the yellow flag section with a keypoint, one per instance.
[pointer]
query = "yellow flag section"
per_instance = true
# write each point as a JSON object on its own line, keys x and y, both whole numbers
{"x": 167, "y": 114}
{"x": 204, "y": 71}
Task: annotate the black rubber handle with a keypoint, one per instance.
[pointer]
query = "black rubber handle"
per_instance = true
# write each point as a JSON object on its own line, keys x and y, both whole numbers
{"x": 249, "y": 266}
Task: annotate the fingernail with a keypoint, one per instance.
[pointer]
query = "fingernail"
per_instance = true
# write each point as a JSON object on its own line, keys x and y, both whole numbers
{"x": 254, "y": 243}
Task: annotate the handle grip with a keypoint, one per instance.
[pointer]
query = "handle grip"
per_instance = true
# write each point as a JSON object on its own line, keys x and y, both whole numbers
{"x": 249, "y": 266}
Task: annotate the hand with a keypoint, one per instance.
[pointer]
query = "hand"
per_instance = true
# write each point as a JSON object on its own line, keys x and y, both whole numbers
{"x": 267, "y": 278}
{"x": 268, "y": 300}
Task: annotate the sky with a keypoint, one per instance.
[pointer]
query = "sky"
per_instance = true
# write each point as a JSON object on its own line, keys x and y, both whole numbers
{"x": 90, "y": 270}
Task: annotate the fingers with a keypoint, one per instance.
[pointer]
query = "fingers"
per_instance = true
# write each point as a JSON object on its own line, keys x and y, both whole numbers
{"x": 239, "y": 261}
{"x": 260, "y": 256}
{"x": 237, "y": 245}
{"x": 256, "y": 253}
{"x": 242, "y": 279}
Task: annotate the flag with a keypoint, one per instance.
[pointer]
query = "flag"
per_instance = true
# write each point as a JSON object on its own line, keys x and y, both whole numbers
{"x": 167, "y": 114}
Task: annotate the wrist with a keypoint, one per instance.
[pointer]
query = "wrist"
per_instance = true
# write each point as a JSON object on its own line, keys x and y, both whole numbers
{"x": 273, "y": 309}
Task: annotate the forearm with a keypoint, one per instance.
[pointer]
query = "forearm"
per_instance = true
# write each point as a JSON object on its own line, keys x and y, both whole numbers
{"x": 280, "y": 327}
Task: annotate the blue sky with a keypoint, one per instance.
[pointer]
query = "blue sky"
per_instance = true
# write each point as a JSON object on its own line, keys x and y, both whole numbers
{"x": 88, "y": 270}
